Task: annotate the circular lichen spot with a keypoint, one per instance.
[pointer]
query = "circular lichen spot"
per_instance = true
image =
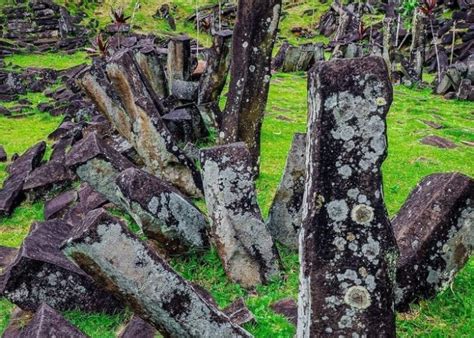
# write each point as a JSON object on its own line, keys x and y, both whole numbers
{"x": 380, "y": 101}
{"x": 358, "y": 297}
{"x": 362, "y": 214}
{"x": 337, "y": 210}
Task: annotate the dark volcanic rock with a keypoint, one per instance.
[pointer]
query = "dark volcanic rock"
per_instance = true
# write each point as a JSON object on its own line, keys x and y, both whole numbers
{"x": 239, "y": 313}
{"x": 7, "y": 255}
{"x": 284, "y": 220}
{"x": 168, "y": 301}
{"x": 138, "y": 328}
{"x": 11, "y": 193}
{"x": 56, "y": 206}
{"x": 347, "y": 249}
{"x": 51, "y": 176}
{"x": 163, "y": 213}
{"x": 439, "y": 142}
{"x": 432, "y": 124}
{"x": 98, "y": 164}
{"x": 435, "y": 236}
{"x": 48, "y": 323}
{"x": 288, "y": 308}
{"x": 42, "y": 274}
{"x": 3, "y": 154}
{"x": 243, "y": 241}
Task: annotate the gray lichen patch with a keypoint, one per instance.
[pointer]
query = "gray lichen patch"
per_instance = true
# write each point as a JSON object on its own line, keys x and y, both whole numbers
{"x": 243, "y": 241}
{"x": 358, "y": 297}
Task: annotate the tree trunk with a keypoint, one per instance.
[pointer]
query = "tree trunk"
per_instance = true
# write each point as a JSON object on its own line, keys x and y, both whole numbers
{"x": 252, "y": 45}
{"x": 347, "y": 248}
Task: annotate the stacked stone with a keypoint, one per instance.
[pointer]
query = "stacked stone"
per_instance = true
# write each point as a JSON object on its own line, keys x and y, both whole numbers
{"x": 42, "y": 25}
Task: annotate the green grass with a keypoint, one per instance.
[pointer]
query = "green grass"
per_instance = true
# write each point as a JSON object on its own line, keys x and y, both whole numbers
{"x": 449, "y": 314}
{"x": 57, "y": 61}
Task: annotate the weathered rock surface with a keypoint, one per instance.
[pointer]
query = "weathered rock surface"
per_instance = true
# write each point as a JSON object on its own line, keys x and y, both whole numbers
{"x": 7, "y": 255}
{"x": 41, "y": 273}
{"x": 438, "y": 141}
{"x": 52, "y": 176}
{"x": 144, "y": 280}
{"x": 164, "y": 214}
{"x": 434, "y": 231}
{"x": 284, "y": 220}
{"x": 347, "y": 249}
{"x": 252, "y": 44}
{"x": 11, "y": 193}
{"x": 58, "y": 204}
{"x": 138, "y": 328}
{"x": 288, "y": 308}
{"x": 298, "y": 58}
{"x": 239, "y": 313}
{"x": 243, "y": 241}
{"x": 48, "y": 323}
{"x": 98, "y": 164}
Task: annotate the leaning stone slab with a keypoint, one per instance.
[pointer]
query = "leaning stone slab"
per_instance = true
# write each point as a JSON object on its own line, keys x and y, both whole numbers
{"x": 53, "y": 176}
{"x": 284, "y": 220}
{"x": 27, "y": 162}
{"x": 434, "y": 231}
{"x": 243, "y": 241}
{"x": 347, "y": 249}
{"x": 138, "y": 328}
{"x": 57, "y": 206}
{"x": 10, "y": 195}
{"x": 41, "y": 273}
{"x": 164, "y": 214}
{"x": 7, "y": 255}
{"x": 3, "y": 154}
{"x": 144, "y": 280}
{"x": 98, "y": 164}
{"x": 48, "y": 323}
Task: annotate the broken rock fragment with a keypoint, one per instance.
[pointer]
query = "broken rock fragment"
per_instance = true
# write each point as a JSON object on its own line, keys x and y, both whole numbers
{"x": 434, "y": 231}
{"x": 163, "y": 213}
{"x": 144, "y": 280}
{"x": 41, "y": 273}
{"x": 284, "y": 220}
{"x": 138, "y": 328}
{"x": 243, "y": 241}
{"x": 347, "y": 249}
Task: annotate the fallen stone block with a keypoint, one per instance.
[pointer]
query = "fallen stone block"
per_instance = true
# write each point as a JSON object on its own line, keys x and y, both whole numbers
{"x": 243, "y": 241}
{"x": 27, "y": 162}
{"x": 163, "y": 213}
{"x": 239, "y": 313}
{"x": 98, "y": 164}
{"x": 56, "y": 207}
{"x": 434, "y": 231}
{"x": 48, "y": 323}
{"x": 49, "y": 178}
{"x": 288, "y": 308}
{"x": 10, "y": 195}
{"x": 439, "y": 142}
{"x": 144, "y": 280}
{"x": 347, "y": 249}
{"x": 138, "y": 328}
{"x": 41, "y": 273}
{"x": 7, "y": 255}
{"x": 284, "y": 220}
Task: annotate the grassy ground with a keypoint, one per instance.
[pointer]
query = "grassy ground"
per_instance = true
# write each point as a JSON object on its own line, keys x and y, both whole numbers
{"x": 450, "y": 313}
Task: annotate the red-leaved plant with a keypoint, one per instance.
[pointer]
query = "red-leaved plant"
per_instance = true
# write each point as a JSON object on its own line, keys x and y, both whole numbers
{"x": 119, "y": 18}
{"x": 361, "y": 30}
{"x": 100, "y": 47}
{"x": 428, "y": 6}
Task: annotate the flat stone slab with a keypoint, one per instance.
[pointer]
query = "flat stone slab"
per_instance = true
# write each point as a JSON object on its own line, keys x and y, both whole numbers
{"x": 239, "y": 313}
{"x": 138, "y": 328}
{"x": 49, "y": 323}
{"x": 3, "y": 154}
{"x": 144, "y": 280}
{"x": 434, "y": 231}
{"x": 162, "y": 211}
{"x": 439, "y": 142}
{"x": 288, "y": 308}
{"x": 57, "y": 205}
{"x": 41, "y": 273}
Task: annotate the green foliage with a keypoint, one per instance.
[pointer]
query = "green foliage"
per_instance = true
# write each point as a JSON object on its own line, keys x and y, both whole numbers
{"x": 48, "y": 60}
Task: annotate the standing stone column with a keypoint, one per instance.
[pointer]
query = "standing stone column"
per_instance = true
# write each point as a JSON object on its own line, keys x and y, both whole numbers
{"x": 284, "y": 219}
{"x": 417, "y": 48}
{"x": 347, "y": 248}
{"x": 252, "y": 45}
{"x": 389, "y": 28}
{"x": 243, "y": 241}
{"x": 179, "y": 59}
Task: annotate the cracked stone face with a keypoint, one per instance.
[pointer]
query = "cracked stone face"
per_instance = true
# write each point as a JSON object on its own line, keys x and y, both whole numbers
{"x": 434, "y": 231}
{"x": 347, "y": 248}
{"x": 243, "y": 241}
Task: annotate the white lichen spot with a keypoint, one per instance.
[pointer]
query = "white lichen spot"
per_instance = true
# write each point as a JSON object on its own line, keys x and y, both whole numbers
{"x": 345, "y": 171}
{"x": 358, "y": 297}
{"x": 245, "y": 44}
{"x": 362, "y": 214}
{"x": 380, "y": 101}
{"x": 337, "y": 210}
